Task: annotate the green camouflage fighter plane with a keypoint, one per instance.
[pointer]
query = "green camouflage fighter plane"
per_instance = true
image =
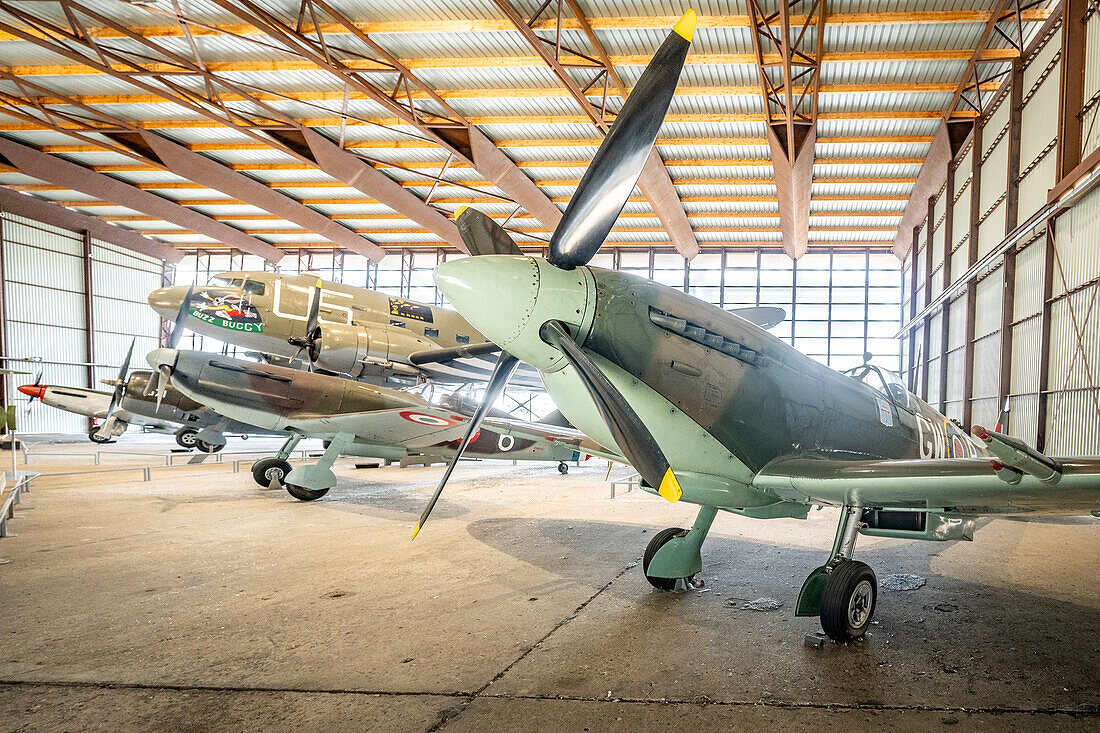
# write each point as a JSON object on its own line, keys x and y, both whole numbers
{"x": 713, "y": 410}
{"x": 356, "y": 419}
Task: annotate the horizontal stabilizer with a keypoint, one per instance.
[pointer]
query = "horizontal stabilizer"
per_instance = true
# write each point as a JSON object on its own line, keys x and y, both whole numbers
{"x": 765, "y": 317}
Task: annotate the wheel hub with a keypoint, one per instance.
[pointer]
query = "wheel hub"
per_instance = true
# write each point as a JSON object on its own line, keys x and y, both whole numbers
{"x": 859, "y": 605}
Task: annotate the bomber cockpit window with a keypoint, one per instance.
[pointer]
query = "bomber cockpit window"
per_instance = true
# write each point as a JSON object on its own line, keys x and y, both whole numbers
{"x": 255, "y": 287}
{"x": 218, "y": 282}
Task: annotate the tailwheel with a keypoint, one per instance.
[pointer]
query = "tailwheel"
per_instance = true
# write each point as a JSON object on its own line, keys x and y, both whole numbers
{"x": 268, "y": 470}
{"x": 848, "y": 601}
{"x": 303, "y": 494}
{"x": 95, "y": 437}
{"x": 655, "y": 544}
{"x": 563, "y": 468}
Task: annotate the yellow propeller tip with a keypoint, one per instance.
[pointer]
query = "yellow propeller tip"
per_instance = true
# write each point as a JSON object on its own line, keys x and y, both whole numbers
{"x": 685, "y": 26}
{"x": 460, "y": 210}
{"x": 416, "y": 531}
{"x": 670, "y": 487}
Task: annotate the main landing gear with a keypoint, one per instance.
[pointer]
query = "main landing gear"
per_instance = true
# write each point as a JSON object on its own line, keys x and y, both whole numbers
{"x": 187, "y": 437}
{"x": 563, "y": 467}
{"x": 272, "y": 471}
{"x": 843, "y": 591}
{"x": 672, "y": 557}
{"x": 308, "y": 483}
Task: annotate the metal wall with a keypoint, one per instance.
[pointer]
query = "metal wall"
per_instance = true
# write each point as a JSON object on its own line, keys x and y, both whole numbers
{"x": 1025, "y": 327}
{"x": 46, "y": 277}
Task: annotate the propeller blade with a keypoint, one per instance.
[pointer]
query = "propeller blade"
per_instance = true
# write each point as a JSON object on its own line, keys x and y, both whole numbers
{"x": 610, "y": 179}
{"x": 506, "y": 366}
{"x": 164, "y": 372}
{"x": 482, "y": 235}
{"x": 628, "y": 430}
{"x": 314, "y": 310}
{"x": 116, "y": 395}
{"x": 38, "y": 378}
{"x": 181, "y": 318}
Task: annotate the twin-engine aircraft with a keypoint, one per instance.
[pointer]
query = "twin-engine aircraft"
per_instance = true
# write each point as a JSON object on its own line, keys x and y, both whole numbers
{"x": 336, "y": 328}
{"x": 353, "y": 418}
{"x": 713, "y": 410}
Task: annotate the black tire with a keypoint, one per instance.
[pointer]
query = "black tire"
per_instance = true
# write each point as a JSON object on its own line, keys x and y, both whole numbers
{"x": 655, "y": 544}
{"x": 266, "y": 469}
{"x": 93, "y": 435}
{"x": 205, "y": 447}
{"x": 848, "y": 602}
{"x": 303, "y": 494}
{"x": 187, "y": 437}
{"x": 563, "y": 468}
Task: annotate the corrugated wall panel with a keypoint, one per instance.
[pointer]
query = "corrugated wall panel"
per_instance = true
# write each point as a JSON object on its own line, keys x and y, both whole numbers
{"x": 987, "y": 304}
{"x": 1073, "y": 424}
{"x": 1029, "y": 280}
{"x": 991, "y": 231}
{"x": 1075, "y": 341}
{"x": 1023, "y": 417}
{"x": 1092, "y": 85}
{"x": 1077, "y": 240}
{"x": 1025, "y": 356}
{"x": 956, "y": 335}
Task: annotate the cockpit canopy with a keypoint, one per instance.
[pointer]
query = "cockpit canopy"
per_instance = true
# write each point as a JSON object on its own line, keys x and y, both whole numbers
{"x": 882, "y": 380}
{"x": 230, "y": 280}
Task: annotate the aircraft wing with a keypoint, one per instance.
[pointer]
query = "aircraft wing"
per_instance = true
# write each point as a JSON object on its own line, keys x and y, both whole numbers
{"x": 414, "y": 427}
{"x": 959, "y": 485}
{"x": 546, "y": 431}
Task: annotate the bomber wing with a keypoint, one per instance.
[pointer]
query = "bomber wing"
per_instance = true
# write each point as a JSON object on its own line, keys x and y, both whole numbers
{"x": 959, "y": 485}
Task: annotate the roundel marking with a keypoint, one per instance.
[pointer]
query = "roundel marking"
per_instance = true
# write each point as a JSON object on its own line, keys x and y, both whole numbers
{"x": 505, "y": 442}
{"x": 432, "y": 420}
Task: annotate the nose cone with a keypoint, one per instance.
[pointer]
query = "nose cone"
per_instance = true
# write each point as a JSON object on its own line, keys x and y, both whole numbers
{"x": 162, "y": 357}
{"x": 166, "y": 301}
{"x": 495, "y": 293}
{"x": 33, "y": 390}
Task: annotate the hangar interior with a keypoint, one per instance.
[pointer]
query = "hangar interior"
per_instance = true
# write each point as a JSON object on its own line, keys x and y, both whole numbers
{"x": 911, "y": 181}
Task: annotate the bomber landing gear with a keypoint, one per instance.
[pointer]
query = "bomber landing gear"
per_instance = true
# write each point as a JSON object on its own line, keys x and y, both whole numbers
{"x": 673, "y": 554}
{"x": 563, "y": 467}
{"x": 842, "y": 591}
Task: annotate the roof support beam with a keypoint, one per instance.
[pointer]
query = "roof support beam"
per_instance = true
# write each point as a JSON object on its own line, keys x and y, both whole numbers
{"x": 35, "y": 208}
{"x": 212, "y": 174}
{"x": 75, "y": 177}
{"x": 969, "y": 101}
{"x": 790, "y": 89}
{"x": 655, "y": 182}
{"x": 434, "y": 117}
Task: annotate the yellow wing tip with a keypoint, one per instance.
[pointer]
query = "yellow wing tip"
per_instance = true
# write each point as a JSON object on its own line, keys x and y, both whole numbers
{"x": 460, "y": 211}
{"x": 685, "y": 26}
{"x": 670, "y": 487}
{"x": 416, "y": 531}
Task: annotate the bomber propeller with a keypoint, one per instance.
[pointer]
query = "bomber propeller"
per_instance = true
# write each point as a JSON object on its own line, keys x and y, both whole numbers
{"x": 600, "y": 197}
{"x": 311, "y": 341}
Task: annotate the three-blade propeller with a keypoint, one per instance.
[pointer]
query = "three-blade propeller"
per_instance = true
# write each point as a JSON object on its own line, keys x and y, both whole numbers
{"x": 111, "y": 418}
{"x": 600, "y": 197}
{"x": 159, "y": 383}
{"x": 311, "y": 341}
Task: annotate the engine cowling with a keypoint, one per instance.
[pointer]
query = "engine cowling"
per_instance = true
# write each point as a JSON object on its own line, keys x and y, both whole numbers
{"x": 357, "y": 350}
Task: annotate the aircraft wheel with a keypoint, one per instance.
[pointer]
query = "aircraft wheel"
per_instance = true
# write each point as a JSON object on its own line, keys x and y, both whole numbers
{"x": 655, "y": 544}
{"x": 848, "y": 601}
{"x": 266, "y": 469}
{"x": 93, "y": 435}
{"x": 563, "y": 468}
{"x": 205, "y": 447}
{"x": 187, "y": 437}
{"x": 303, "y": 494}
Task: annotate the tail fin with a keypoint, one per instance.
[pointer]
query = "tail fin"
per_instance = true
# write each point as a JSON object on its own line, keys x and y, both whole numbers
{"x": 557, "y": 419}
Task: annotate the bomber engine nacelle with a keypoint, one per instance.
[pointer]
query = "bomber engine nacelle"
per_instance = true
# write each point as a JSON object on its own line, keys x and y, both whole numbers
{"x": 359, "y": 350}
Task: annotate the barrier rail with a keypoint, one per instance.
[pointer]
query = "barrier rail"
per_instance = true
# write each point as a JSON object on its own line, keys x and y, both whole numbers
{"x": 170, "y": 458}
{"x": 22, "y": 484}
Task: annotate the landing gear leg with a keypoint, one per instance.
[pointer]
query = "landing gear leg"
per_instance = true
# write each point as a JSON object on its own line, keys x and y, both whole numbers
{"x": 672, "y": 556}
{"x": 307, "y": 483}
{"x": 843, "y": 591}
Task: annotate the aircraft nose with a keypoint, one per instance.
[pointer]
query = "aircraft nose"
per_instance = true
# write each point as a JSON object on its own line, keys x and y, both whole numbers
{"x": 495, "y": 293}
{"x": 162, "y": 357}
{"x": 33, "y": 390}
{"x": 166, "y": 301}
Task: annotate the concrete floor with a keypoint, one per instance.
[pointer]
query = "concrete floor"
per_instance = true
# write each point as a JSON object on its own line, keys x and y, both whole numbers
{"x": 198, "y": 600}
